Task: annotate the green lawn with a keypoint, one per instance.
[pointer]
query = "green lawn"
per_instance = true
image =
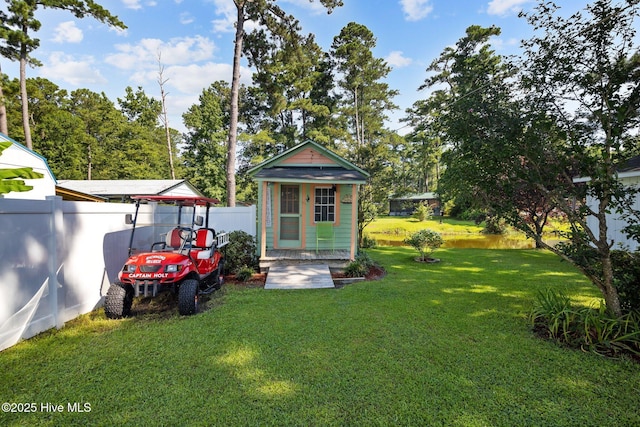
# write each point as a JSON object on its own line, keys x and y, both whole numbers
{"x": 394, "y": 229}
{"x": 437, "y": 344}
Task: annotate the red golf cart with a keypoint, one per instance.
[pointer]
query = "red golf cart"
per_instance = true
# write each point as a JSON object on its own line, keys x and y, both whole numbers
{"x": 185, "y": 260}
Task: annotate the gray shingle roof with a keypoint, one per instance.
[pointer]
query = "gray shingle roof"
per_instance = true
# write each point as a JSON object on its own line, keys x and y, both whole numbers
{"x": 315, "y": 174}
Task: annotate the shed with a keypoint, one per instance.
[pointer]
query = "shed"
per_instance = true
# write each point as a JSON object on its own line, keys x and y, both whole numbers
{"x": 122, "y": 190}
{"x": 308, "y": 201}
{"x": 406, "y": 205}
{"x": 17, "y": 156}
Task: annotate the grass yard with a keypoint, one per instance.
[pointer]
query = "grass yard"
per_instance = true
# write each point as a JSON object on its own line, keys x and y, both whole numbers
{"x": 430, "y": 344}
{"x": 392, "y": 230}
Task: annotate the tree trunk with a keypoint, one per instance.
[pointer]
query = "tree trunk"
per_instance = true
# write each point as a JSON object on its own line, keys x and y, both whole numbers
{"x": 24, "y": 99}
{"x": 233, "y": 119}
{"x": 165, "y": 118}
{"x": 3, "y": 111}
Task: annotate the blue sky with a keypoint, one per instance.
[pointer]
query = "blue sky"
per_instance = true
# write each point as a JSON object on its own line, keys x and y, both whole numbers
{"x": 194, "y": 39}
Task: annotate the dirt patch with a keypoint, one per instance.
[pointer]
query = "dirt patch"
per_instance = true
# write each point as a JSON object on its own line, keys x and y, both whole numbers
{"x": 256, "y": 281}
{"x": 165, "y": 305}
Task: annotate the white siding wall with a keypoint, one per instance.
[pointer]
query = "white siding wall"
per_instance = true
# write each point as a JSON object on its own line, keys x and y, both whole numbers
{"x": 615, "y": 224}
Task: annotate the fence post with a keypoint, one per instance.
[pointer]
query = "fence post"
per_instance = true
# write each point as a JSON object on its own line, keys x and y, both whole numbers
{"x": 56, "y": 228}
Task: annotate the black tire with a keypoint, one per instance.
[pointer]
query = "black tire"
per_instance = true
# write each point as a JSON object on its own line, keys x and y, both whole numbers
{"x": 188, "y": 297}
{"x": 117, "y": 302}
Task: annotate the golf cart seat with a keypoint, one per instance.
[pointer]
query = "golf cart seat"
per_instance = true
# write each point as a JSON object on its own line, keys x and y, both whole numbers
{"x": 205, "y": 243}
{"x": 179, "y": 239}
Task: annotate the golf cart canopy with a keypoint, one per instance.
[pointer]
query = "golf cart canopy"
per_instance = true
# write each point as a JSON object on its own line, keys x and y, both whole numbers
{"x": 178, "y": 200}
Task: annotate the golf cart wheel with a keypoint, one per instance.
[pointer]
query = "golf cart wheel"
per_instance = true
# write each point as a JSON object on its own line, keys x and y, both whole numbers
{"x": 188, "y": 297}
{"x": 117, "y": 302}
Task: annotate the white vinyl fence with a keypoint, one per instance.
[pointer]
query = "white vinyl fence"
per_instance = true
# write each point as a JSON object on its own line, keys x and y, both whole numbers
{"x": 76, "y": 249}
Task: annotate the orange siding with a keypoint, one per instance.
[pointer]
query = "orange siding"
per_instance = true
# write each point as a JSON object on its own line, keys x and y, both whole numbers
{"x": 308, "y": 156}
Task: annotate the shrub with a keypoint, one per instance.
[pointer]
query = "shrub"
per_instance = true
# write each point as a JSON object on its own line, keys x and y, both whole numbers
{"x": 360, "y": 266}
{"x": 425, "y": 242}
{"x": 475, "y": 215}
{"x": 355, "y": 269}
{"x": 423, "y": 212}
{"x": 494, "y": 225}
{"x": 240, "y": 252}
{"x": 626, "y": 276}
{"x": 368, "y": 242}
{"x": 244, "y": 273}
{"x": 592, "y": 329}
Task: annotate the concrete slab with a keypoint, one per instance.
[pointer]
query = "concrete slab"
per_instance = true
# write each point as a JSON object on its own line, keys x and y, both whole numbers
{"x": 300, "y": 276}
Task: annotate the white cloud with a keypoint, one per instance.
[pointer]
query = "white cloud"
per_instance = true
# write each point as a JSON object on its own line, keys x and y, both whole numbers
{"x": 176, "y": 51}
{"x": 227, "y": 10}
{"x": 194, "y": 78}
{"x": 315, "y": 6}
{"x": 132, "y": 4}
{"x": 397, "y": 60}
{"x": 67, "y": 32}
{"x": 415, "y": 10}
{"x": 186, "y": 18}
{"x": 78, "y": 72}
{"x": 501, "y": 44}
{"x": 503, "y": 7}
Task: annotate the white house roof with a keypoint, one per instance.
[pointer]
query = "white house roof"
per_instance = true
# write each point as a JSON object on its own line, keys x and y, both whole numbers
{"x": 131, "y": 187}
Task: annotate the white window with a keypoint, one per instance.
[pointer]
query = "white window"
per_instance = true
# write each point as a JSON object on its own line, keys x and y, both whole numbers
{"x": 325, "y": 204}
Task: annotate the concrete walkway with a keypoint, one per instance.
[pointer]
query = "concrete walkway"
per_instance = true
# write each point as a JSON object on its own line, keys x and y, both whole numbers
{"x": 301, "y": 276}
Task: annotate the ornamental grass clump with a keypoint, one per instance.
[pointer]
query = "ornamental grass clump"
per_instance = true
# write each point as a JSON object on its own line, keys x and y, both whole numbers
{"x": 587, "y": 328}
{"x": 425, "y": 242}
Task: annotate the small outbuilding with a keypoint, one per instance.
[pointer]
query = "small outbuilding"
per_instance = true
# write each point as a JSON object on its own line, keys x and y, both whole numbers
{"x": 15, "y": 156}
{"x": 308, "y": 203}
{"x": 406, "y": 205}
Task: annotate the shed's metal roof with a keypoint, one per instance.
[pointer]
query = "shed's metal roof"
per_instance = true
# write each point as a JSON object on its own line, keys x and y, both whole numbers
{"x": 124, "y": 187}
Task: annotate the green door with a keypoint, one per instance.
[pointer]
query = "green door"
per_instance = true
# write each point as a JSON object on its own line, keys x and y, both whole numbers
{"x": 289, "y": 216}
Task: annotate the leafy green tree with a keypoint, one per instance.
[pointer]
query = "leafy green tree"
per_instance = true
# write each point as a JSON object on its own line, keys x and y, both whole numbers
{"x": 492, "y": 160}
{"x": 102, "y": 122}
{"x": 204, "y": 149}
{"x": 583, "y": 71}
{"x": 289, "y": 69}
{"x": 140, "y": 108}
{"x": 17, "y": 43}
{"x": 259, "y": 10}
{"x": 364, "y": 100}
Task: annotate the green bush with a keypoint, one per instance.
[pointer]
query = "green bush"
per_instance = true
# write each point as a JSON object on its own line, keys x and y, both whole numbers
{"x": 476, "y": 215}
{"x": 355, "y": 269}
{"x": 494, "y": 225}
{"x": 360, "y": 266}
{"x": 244, "y": 273}
{"x": 368, "y": 242}
{"x": 587, "y": 328}
{"x": 425, "y": 242}
{"x": 240, "y": 252}
{"x": 423, "y": 212}
{"x": 626, "y": 276}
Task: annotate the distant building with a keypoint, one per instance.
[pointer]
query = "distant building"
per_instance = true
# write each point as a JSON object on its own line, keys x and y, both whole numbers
{"x": 406, "y": 205}
{"x": 122, "y": 190}
{"x": 629, "y": 175}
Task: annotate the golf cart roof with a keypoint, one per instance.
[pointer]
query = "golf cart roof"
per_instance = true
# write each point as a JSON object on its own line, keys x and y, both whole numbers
{"x": 179, "y": 200}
